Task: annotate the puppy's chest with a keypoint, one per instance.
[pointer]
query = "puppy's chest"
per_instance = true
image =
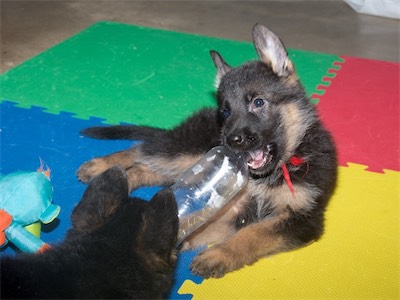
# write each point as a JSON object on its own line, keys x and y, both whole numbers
{"x": 253, "y": 212}
{"x": 256, "y": 205}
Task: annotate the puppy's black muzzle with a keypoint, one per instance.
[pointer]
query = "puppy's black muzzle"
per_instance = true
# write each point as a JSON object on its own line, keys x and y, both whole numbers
{"x": 241, "y": 140}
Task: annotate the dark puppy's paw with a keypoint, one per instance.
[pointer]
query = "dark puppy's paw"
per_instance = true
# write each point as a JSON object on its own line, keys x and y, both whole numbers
{"x": 213, "y": 262}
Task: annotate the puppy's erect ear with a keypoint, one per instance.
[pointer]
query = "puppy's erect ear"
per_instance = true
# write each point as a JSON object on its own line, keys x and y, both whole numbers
{"x": 165, "y": 227}
{"x": 271, "y": 50}
{"x": 157, "y": 238}
{"x": 101, "y": 199}
{"x": 222, "y": 66}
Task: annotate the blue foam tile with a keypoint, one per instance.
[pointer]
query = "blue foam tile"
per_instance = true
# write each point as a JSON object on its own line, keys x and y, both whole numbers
{"x": 28, "y": 135}
{"x": 183, "y": 273}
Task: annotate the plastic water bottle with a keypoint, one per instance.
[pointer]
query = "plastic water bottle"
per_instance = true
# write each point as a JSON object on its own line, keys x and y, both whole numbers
{"x": 207, "y": 186}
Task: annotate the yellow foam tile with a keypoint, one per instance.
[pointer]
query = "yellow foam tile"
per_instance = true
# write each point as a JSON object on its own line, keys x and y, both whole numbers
{"x": 357, "y": 258}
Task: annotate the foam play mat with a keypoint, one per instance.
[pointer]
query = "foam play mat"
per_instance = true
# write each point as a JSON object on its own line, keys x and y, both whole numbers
{"x": 115, "y": 73}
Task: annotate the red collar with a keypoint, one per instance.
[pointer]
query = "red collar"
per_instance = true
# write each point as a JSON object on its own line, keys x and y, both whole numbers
{"x": 294, "y": 161}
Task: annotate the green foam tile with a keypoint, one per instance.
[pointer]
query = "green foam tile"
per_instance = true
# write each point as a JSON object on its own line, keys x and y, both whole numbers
{"x": 133, "y": 74}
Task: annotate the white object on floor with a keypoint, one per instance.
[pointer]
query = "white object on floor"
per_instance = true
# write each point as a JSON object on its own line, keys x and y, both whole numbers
{"x": 383, "y": 8}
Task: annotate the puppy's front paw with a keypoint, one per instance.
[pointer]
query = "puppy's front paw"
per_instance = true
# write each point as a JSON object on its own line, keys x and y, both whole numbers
{"x": 213, "y": 262}
{"x": 91, "y": 169}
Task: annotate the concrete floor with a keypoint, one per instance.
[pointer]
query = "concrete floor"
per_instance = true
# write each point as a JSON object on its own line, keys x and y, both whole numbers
{"x": 30, "y": 27}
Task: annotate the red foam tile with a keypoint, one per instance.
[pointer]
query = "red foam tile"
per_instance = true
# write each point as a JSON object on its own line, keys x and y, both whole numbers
{"x": 361, "y": 109}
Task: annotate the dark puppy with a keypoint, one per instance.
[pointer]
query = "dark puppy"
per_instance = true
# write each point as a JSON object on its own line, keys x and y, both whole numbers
{"x": 118, "y": 247}
{"x": 262, "y": 109}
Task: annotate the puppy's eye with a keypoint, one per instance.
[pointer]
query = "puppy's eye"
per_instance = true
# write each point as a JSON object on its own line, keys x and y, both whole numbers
{"x": 226, "y": 112}
{"x": 258, "y": 102}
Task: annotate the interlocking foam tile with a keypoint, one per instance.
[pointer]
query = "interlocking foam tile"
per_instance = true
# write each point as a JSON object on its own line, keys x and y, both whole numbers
{"x": 361, "y": 109}
{"x": 130, "y": 74}
{"x": 357, "y": 258}
{"x": 30, "y": 134}
{"x": 126, "y": 73}
{"x": 326, "y": 81}
{"x": 184, "y": 274}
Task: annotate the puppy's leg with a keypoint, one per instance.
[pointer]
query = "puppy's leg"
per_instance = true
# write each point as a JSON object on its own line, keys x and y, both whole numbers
{"x": 152, "y": 170}
{"x": 141, "y": 169}
{"x": 243, "y": 248}
{"x": 96, "y": 166}
{"x": 208, "y": 234}
{"x": 139, "y": 174}
{"x": 162, "y": 155}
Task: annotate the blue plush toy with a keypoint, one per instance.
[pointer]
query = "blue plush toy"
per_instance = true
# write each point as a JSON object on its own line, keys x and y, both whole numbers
{"x": 25, "y": 200}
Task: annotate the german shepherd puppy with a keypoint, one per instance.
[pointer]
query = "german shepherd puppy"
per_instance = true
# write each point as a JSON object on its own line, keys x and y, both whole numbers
{"x": 262, "y": 109}
{"x": 118, "y": 247}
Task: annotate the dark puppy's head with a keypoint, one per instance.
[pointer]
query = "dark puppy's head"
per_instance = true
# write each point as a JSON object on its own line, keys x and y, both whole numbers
{"x": 105, "y": 194}
{"x": 148, "y": 228}
{"x": 262, "y": 104}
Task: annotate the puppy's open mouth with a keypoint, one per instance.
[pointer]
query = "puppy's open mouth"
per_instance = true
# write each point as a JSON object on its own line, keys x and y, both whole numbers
{"x": 260, "y": 158}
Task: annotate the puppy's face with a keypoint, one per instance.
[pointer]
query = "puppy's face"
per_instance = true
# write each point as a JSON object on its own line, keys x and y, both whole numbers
{"x": 258, "y": 103}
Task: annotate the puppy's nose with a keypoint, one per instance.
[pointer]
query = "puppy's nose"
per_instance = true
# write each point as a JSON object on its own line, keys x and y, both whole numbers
{"x": 235, "y": 139}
